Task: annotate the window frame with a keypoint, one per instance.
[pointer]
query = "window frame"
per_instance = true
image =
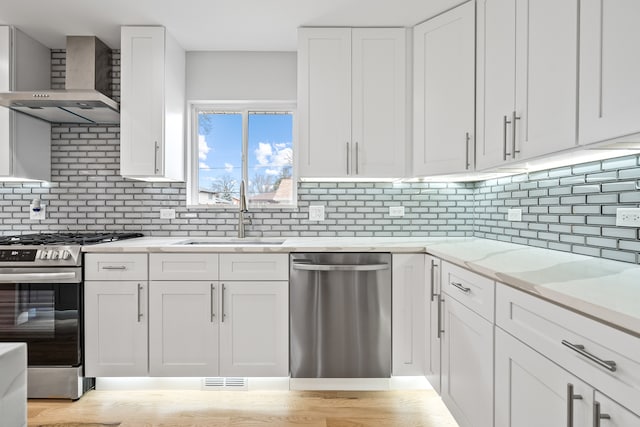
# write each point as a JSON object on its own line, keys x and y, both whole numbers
{"x": 243, "y": 107}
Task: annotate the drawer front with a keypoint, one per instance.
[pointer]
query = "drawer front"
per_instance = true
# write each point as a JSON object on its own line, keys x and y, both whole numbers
{"x": 254, "y": 266}
{"x": 470, "y": 289}
{"x": 115, "y": 266}
{"x": 559, "y": 333}
{"x": 183, "y": 266}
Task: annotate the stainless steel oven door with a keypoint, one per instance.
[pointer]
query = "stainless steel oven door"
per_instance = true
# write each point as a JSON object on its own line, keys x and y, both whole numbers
{"x": 42, "y": 307}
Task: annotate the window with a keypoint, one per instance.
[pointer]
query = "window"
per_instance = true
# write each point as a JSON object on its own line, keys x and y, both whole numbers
{"x": 250, "y": 142}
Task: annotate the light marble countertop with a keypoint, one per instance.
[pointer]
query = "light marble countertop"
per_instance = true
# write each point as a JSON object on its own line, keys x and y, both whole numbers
{"x": 607, "y": 291}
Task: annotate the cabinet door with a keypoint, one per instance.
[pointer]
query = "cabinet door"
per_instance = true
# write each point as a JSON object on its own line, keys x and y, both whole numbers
{"x": 433, "y": 318}
{"x": 444, "y": 73}
{"x": 142, "y": 101}
{"x": 467, "y": 365}
{"x": 618, "y": 415}
{"x": 546, "y": 77}
{"x": 379, "y": 102}
{"x": 183, "y": 328}
{"x": 532, "y": 391}
{"x": 115, "y": 335}
{"x": 496, "y": 46}
{"x": 254, "y": 329}
{"x": 609, "y": 69}
{"x": 407, "y": 278}
{"x": 324, "y": 101}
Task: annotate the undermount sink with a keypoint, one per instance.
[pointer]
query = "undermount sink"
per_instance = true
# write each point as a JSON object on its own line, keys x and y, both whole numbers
{"x": 234, "y": 242}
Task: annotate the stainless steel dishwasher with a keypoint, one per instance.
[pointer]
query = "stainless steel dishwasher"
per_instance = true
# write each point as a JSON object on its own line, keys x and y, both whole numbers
{"x": 340, "y": 315}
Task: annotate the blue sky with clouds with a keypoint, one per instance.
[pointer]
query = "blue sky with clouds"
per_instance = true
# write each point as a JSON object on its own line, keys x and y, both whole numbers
{"x": 220, "y": 146}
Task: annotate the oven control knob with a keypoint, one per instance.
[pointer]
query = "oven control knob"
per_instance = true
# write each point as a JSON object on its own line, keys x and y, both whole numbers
{"x": 55, "y": 255}
{"x": 64, "y": 254}
{"x": 45, "y": 254}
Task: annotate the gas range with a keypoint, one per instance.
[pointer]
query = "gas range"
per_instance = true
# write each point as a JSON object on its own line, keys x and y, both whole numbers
{"x": 41, "y": 304}
{"x": 51, "y": 249}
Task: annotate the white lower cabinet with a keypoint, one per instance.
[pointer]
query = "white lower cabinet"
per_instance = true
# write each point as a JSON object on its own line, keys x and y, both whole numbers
{"x": 547, "y": 348}
{"x": 532, "y": 391}
{"x": 254, "y": 329}
{"x": 467, "y": 365}
{"x": 115, "y": 328}
{"x": 407, "y": 321}
{"x": 183, "y": 328}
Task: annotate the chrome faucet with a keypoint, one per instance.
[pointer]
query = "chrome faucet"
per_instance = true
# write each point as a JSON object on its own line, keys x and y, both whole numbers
{"x": 243, "y": 218}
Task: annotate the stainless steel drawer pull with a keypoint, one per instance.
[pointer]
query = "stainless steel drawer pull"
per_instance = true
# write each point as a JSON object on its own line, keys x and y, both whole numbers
{"x": 339, "y": 267}
{"x": 440, "y": 322}
{"x": 597, "y": 415}
{"x": 462, "y": 288}
{"x": 139, "y": 302}
{"x": 114, "y": 267}
{"x": 570, "y": 398}
{"x": 579, "y": 348}
{"x": 434, "y": 265}
{"x": 222, "y": 296}
{"x": 505, "y": 122}
{"x": 213, "y": 304}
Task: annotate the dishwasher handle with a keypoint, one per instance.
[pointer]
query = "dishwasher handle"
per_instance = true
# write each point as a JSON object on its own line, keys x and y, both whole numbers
{"x": 339, "y": 267}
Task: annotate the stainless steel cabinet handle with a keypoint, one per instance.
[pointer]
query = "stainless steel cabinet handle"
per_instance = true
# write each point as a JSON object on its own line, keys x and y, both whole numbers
{"x": 440, "y": 302}
{"x": 597, "y": 415}
{"x": 222, "y": 296}
{"x": 339, "y": 267}
{"x": 155, "y": 159}
{"x": 357, "y": 158}
{"x": 513, "y": 134}
{"x": 462, "y": 288}
{"x": 570, "y": 398}
{"x": 139, "y": 302}
{"x": 609, "y": 365}
{"x": 505, "y": 122}
{"x": 467, "y": 139}
{"x": 433, "y": 278}
{"x": 348, "y": 172}
{"x": 114, "y": 267}
{"x": 213, "y": 304}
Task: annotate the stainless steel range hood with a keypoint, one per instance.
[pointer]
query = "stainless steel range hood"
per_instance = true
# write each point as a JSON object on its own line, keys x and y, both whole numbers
{"x": 86, "y": 97}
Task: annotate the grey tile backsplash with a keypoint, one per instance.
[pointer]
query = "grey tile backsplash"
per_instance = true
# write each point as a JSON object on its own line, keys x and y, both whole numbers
{"x": 569, "y": 209}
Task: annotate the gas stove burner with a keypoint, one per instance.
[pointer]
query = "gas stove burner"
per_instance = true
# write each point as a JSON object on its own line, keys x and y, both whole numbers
{"x": 65, "y": 238}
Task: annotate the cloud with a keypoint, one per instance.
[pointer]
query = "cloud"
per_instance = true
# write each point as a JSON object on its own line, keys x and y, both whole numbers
{"x": 203, "y": 165}
{"x": 263, "y": 153}
{"x": 272, "y": 172}
{"x": 228, "y": 167}
{"x": 203, "y": 148}
{"x": 277, "y": 155}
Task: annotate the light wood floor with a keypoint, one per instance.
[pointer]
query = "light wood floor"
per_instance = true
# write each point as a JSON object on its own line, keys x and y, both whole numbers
{"x": 243, "y": 408}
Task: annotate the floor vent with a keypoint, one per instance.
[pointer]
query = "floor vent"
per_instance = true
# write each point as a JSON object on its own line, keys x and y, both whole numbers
{"x": 224, "y": 383}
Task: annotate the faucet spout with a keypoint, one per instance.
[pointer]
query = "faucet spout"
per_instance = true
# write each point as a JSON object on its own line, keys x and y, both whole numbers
{"x": 243, "y": 218}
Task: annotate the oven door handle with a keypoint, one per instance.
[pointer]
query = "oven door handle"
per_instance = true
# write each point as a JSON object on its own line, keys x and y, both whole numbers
{"x": 34, "y": 277}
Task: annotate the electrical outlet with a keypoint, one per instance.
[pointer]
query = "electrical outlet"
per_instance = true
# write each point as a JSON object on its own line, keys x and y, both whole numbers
{"x": 514, "y": 214}
{"x": 396, "y": 210}
{"x": 167, "y": 214}
{"x": 628, "y": 217}
{"x": 316, "y": 213}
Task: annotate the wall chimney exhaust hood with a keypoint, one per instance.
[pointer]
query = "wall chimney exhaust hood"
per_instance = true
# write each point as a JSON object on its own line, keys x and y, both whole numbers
{"x": 86, "y": 97}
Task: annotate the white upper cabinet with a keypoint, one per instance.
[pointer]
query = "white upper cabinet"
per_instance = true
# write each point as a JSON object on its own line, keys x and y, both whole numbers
{"x": 352, "y": 102}
{"x": 24, "y": 141}
{"x": 444, "y": 83}
{"x": 526, "y": 79}
{"x": 609, "y": 69}
{"x": 152, "y": 105}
